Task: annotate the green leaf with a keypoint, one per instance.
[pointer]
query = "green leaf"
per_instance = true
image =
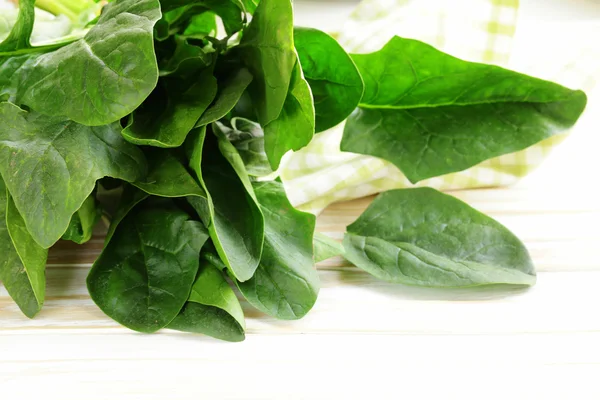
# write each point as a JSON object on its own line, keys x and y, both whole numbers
{"x": 171, "y": 112}
{"x": 248, "y": 139}
{"x": 335, "y": 82}
{"x": 201, "y": 25}
{"x": 212, "y": 309}
{"x": 97, "y": 79}
{"x": 432, "y": 114}
{"x": 230, "y": 91}
{"x": 187, "y": 58}
{"x": 267, "y": 49}
{"x": 286, "y": 283}
{"x": 51, "y": 166}
{"x": 23, "y": 261}
{"x": 295, "y": 125}
{"x": 83, "y": 221}
{"x": 234, "y": 220}
{"x": 250, "y": 5}
{"x": 230, "y": 11}
{"x": 326, "y": 247}
{"x": 168, "y": 177}
{"x": 130, "y": 197}
{"x": 144, "y": 275}
{"x": 425, "y": 238}
{"x": 20, "y": 34}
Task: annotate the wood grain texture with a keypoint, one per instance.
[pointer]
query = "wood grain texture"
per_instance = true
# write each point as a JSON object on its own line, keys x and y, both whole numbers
{"x": 544, "y": 339}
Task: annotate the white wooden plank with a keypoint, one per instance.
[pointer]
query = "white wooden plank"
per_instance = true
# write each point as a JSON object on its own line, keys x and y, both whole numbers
{"x": 354, "y": 302}
{"x": 163, "y": 366}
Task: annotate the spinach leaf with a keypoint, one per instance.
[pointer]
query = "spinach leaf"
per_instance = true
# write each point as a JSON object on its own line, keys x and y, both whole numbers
{"x": 145, "y": 273}
{"x": 50, "y": 166}
{"x": 230, "y": 11}
{"x": 431, "y": 114}
{"x": 212, "y": 309}
{"x": 267, "y": 49}
{"x": 250, "y": 5}
{"x": 130, "y": 197}
{"x": 295, "y": 125}
{"x": 326, "y": 247}
{"x": 335, "y": 82}
{"x": 425, "y": 238}
{"x": 230, "y": 90}
{"x": 83, "y": 221}
{"x": 171, "y": 111}
{"x": 97, "y": 79}
{"x": 248, "y": 139}
{"x": 168, "y": 177}
{"x": 20, "y": 34}
{"x": 234, "y": 220}
{"x": 23, "y": 261}
{"x": 186, "y": 60}
{"x": 286, "y": 283}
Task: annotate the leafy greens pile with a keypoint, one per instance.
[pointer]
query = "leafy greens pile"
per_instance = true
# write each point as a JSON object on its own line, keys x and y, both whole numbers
{"x": 187, "y": 126}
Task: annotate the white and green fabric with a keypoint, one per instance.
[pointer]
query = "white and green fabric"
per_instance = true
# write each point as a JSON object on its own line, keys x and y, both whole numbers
{"x": 474, "y": 30}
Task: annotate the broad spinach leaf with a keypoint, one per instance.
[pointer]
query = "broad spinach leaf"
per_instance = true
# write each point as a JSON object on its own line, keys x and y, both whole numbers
{"x": 295, "y": 125}
{"x": 432, "y": 114}
{"x": 22, "y": 260}
{"x": 286, "y": 283}
{"x": 234, "y": 220}
{"x": 426, "y": 238}
{"x": 145, "y": 273}
{"x": 20, "y": 34}
{"x": 212, "y": 309}
{"x": 230, "y": 90}
{"x": 97, "y": 79}
{"x": 267, "y": 49}
{"x": 83, "y": 221}
{"x": 335, "y": 82}
{"x": 326, "y": 247}
{"x": 51, "y": 165}
{"x": 171, "y": 112}
{"x": 168, "y": 176}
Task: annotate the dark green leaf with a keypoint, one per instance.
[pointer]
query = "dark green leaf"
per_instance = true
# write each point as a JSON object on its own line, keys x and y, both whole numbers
{"x": 83, "y": 221}
{"x": 22, "y": 260}
{"x": 431, "y": 114}
{"x": 212, "y": 309}
{"x": 230, "y": 90}
{"x": 186, "y": 60}
{"x": 144, "y": 275}
{"x": 286, "y": 283}
{"x": 268, "y": 51}
{"x": 230, "y": 11}
{"x": 51, "y": 166}
{"x": 295, "y": 125}
{"x": 326, "y": 247}
{"x": 425, "y": 238}
{"x": 168, "y": 177}
{"x": 335, "y": 82}
{"x": 170, "y": 113}
{"x": 248, "y": 139}
{"x": 97, "y": 79}
{"x": 20, "y": 34}
{"x": 234, "y": 220}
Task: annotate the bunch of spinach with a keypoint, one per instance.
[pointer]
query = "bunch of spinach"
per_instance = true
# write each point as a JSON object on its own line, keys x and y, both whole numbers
{"x": 186, "y": 124}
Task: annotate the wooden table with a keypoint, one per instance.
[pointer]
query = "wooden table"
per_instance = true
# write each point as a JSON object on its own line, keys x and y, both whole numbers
{"x": 363, "y": 339}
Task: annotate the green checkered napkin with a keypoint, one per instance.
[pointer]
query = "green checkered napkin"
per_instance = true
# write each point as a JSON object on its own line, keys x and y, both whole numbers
{"x": 474, "y": 30}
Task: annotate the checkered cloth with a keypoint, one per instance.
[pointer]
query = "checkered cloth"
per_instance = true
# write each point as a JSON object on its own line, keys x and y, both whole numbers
{"x": 474, "y": 30}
